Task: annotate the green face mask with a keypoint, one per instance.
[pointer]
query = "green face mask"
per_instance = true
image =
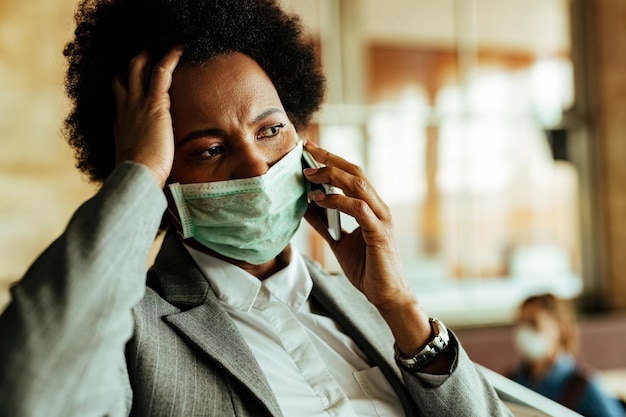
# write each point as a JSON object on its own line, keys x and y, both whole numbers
{"x": 249, "y": 219}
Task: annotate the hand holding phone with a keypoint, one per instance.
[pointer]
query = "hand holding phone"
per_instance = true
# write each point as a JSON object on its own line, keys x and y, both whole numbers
{"x": 329, "y": 216}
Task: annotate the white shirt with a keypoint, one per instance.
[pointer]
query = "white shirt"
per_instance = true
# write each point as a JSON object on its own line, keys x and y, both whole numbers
{"x": 313, "y": 368}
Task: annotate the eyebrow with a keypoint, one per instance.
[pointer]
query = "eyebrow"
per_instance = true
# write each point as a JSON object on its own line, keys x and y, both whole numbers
{"x": 220, "y": 132}
{"x": 267, "y": 113}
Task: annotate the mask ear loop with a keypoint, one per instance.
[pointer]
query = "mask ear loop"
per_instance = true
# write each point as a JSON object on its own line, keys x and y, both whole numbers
{"x": 177, "y": 224}
{"x": 173, "y": 215}
{"x": 183, "y": 211}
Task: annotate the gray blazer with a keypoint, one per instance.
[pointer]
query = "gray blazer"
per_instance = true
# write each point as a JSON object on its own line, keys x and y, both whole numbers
{"x": 84, "y": 335}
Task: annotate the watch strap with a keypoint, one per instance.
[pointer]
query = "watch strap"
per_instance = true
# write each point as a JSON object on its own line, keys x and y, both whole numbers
{"x": 438, "y": 344}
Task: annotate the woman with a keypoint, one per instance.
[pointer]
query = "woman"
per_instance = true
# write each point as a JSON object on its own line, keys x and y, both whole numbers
{"x": 547, "y": 338}
{"x": 190, "y": 108}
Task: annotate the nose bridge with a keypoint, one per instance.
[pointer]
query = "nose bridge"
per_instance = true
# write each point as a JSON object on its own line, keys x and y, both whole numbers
{"x": 252, "y": 161}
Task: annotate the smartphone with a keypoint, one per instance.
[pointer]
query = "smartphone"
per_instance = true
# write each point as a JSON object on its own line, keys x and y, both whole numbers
{"x": 330, "y": 217}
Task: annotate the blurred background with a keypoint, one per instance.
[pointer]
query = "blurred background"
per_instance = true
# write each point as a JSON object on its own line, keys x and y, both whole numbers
{"x": 493, "y": 129}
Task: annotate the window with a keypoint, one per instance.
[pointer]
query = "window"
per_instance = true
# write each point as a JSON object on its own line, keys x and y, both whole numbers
{"x": 455, "y": 109}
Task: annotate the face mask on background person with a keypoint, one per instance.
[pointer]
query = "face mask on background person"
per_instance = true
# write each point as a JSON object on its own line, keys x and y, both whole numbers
{"x": 248, "y": 219}
{"x": 532, "y": 344}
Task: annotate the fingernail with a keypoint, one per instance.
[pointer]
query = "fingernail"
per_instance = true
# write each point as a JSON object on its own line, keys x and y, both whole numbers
{"x": 309, "y": 171}
{"x": 319, "y": 196}
{"x": 311, "y": 144}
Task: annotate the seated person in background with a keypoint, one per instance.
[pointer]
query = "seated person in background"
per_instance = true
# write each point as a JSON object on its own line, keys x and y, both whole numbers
{"x": 547, "y": 338}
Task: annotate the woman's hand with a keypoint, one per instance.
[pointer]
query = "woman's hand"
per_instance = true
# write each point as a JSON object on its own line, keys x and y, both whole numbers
{"x": 143, "y": 125}
{"x": 369, "y": 255}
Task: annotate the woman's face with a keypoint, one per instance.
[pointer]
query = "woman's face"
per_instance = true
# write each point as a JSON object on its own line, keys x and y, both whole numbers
{"x": 228, "y": 121}
{"x": 532, "y": 316}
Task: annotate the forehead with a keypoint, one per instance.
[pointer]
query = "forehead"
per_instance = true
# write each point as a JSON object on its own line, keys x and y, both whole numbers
{"x": 227, "y": 72}
{"x": 227, "y": 85}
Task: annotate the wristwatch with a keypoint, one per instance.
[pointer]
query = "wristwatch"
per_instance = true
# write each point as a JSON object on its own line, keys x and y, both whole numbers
{"x": 433, "y": 348}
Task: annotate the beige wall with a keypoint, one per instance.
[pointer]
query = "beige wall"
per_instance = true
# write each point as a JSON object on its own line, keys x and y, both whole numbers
{"x": 39, "y": 187}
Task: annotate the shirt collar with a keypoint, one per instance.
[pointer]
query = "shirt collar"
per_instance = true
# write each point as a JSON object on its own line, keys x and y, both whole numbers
{"x": 237, "y": 288}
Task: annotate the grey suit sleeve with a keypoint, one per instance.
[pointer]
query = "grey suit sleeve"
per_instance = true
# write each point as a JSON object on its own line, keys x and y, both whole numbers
{"x": 62, "y": 337}
{"x": 465, "y": 392}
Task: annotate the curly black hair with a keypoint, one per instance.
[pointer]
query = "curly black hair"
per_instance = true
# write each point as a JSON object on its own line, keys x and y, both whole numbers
{"x": 110, "y": 32}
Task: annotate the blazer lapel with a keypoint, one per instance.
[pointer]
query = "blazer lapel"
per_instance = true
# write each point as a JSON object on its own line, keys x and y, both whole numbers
{"x": 203, "y": 322}
{"x": 361, "y": 321}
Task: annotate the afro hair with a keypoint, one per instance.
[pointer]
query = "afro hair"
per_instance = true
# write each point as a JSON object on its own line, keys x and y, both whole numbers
{"x": 110, "y": 32}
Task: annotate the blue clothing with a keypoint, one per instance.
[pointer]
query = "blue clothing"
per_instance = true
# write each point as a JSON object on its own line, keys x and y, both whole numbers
{"x": 594, "y": 401}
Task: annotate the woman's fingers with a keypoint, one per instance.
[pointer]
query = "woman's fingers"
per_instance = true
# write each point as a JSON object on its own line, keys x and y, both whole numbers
{"x": 360, "y": 196}
{"x": 143, "y": 125}
{"x": 137, "y": 76}
{"x": 161, "y": 77}
{"x": 144, "y": 82}
{"x": 362, "y": 211}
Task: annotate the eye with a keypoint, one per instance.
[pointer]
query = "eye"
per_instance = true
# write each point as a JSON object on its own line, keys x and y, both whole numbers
{"x": 271, "y": 131}
{"x": 211, "y": 152}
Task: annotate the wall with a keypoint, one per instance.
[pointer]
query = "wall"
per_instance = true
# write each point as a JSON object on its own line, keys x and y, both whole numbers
{"x": 608, "y": 82}
{"x": 39, "y": 187}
